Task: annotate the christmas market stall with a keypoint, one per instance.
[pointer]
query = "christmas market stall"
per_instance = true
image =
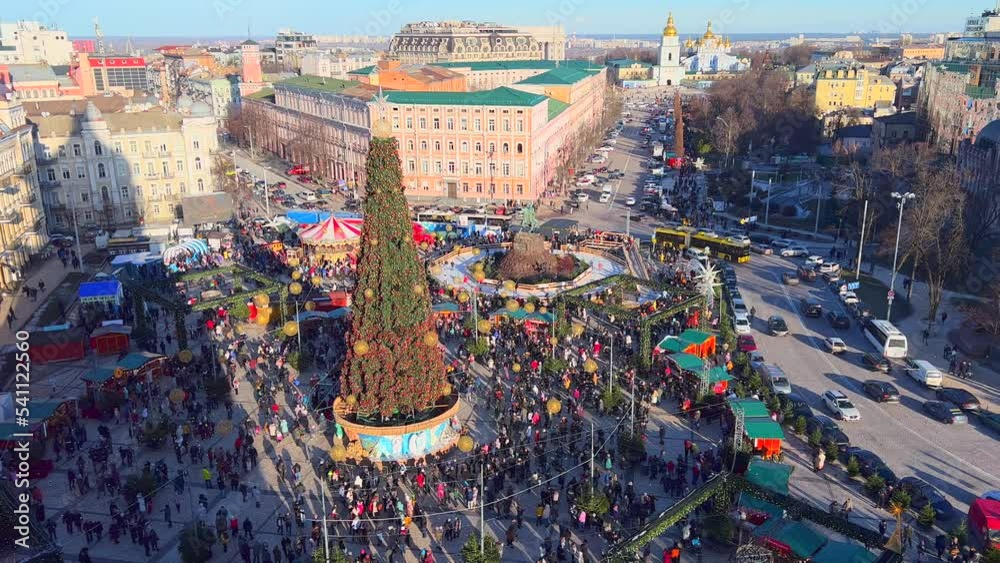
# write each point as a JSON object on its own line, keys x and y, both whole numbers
{"x": 106, "y": 292}
{"x": 60, "y": 343}
{"x": 843, "y": 552}
{"x": 110, "y": 339}
{"x": 532, "y": 321}
{"x": 446, "y": 309}
{"x": 718, "y": 380}
{"x": 143, "y": 366}
{"x": 765, "y": 434}
{"x": 769, "y": 475}
{"x": 790, "y": 539}
{"x": 676, "y": 345}
{"x": 188, "y": 252}
{"x": 45, "y": 417}
{"x": 704, "y": 342}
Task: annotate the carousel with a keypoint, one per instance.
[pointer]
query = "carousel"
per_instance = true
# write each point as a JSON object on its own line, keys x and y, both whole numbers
{"x": 333, "y": 239}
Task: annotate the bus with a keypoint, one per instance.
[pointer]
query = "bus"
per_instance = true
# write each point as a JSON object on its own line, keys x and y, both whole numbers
{"x": 680, "y": 238}
{"x": 886, "y": 338}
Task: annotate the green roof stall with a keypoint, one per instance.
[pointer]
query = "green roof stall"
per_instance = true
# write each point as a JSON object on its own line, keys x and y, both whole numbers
{"x": 687, "y": 362}
{"x": 704, "y": 341}
{"x": 790, "y": 538}
{"x": 843, "y": 552}
{"x": 770, "y": 475}
{"x": 751, "y": 408}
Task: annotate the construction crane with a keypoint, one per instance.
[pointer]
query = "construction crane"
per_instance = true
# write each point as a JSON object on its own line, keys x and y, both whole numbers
{"x": 100, "y": 36}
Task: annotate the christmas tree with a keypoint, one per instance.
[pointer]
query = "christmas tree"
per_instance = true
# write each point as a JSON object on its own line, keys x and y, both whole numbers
{"x": 394, "y": 365}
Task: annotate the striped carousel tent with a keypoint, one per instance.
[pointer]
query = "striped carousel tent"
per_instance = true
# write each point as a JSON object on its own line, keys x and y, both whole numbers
{"x": 333, "y": 231}
{"x": 188, "y": 247}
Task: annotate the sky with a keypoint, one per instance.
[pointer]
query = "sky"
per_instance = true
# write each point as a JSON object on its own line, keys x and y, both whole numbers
{"x": 221, "y": 18}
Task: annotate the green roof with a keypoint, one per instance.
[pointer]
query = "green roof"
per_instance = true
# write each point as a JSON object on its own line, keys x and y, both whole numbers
{"x": 497, "y": 97}
{"x": 673, "y": 345}
{"x": 802, "y": 540}
{"x": 752, "y": 408}
{"x": 99, "y": 375}
{"x": 556, "y": 107}
{"x": 763, "y": 429}
{"x": 755, "y": 504}
{"x": 517, "y": 65}
{"x": 770, "y": 475}
{"x": 560, "y": 76}
{"x": 718, "y": 374}
{"x": 364, "y": 71}
{"x": 319, "y": 83}
{"x": 262, "y": 94}
{"x": 687, "y": 362}
{"x": 696, "y": 336}
{"x": 843, "y": 552}
{"x": 136, "y": 360}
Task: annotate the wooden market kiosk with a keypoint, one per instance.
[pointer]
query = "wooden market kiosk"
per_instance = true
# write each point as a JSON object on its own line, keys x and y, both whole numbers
{"x": 764, "y": 434}
{"x": 140, "y": 367}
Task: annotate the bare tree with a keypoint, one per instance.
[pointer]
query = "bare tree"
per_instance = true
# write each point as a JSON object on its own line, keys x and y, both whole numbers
{"x": 986, "y": 316}
{"x": 982, "y": 217}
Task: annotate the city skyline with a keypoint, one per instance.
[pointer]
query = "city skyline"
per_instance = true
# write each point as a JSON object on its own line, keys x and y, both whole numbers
{"x": 233, "y": 18}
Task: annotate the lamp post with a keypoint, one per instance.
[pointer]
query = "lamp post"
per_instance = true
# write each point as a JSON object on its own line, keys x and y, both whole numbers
{"x": 903, "y": 198}
{"x": 267, "y": 196}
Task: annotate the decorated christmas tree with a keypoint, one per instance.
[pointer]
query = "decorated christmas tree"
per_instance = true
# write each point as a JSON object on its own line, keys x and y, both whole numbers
{"x": 394, "y": 365}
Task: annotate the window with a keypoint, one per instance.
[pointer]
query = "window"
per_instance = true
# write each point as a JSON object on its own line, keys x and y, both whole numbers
{"x": 519, "y": 169}
{"x": 519, "y": 126}
{"x": 411, "y": 165}
{"x": 451, "y": 146}
{"x": 479, "y": 147}
{"x": 88, "y": 216}
{"x": 409, "y": 123}
{"x": 520, "y": 189}
{"x": 84, "y": 197}
{"x": 437, "y": 167}
{"x": 183, "y": 188}
{"x": 76, "y": 150}
{"x": 395, "y": 122}
{"x": 152, "y": 190}
{"x": 491, "y": 125}
{"x": 477, "y": 124}
{"x": 436, "y": 123}
{"x": 479, "y": 169}
{"x": 450, "y": 123}
{"x": 138, "y": 192}
{"x": 423, "y": 123}
{"x": 166, "y": 168}
{"x": 81, "y": 171}
{"x": 520, "y": 148}
{"x": 425, "y": 166}
{"x": 506, "y": 125}
{"x": 465, "y": 146}
{"x": 479, "y": 188}
{"x": 150, "y": 169}
{"x": 102, "y": 172}
{"x": 133, "y": 147}
{"x": 505, "y": 147}
{"x": 147, "y": 147}
{"x": 201, "y": 185}
{"x": 136, "y": 169}
{"x": 506, "y": 169}
{"x": 451, "y": 167}
{"x": 465, "y": 187}
{"x": 197, "y": 163}
{"x": 62, "y": 151}
{"x": 437, "y": 146}
{"x": 118, "y": 147}
{"x": 409, "y": 145}
{"x": 156, "y": 209}
{"x": 506, "y": 189}
{"x": 51, "y": 174}
{"x": 492, "y": 148}
{"x": 196, "y": 144}
{"x": 65, "y": 173}
{"x": 464, "y": 124}
{"x": 180, "y": 166}
{"x": 124, "y": 192}
{"x": 167, "y": 189}
{"x": 465, "y": 168}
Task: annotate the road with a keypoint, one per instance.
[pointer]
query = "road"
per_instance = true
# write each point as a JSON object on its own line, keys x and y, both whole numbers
{"x": 961, "y": 461}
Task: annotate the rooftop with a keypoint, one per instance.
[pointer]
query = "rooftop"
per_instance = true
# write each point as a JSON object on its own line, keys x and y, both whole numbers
{"x": 518, "y": 65}
{"x": 65, "y": 125}
{"x": 902, "y": 118}
{"x": 556, "y": 107}
{"x": 262, "y": 94}
{"x": 328, "y": 85}
{"x": 31, "y": 73}
{"x": 364, "y": 71}
{"x": 626, "y": 62}
{"x": 560, "y": 76}
{"x": 498, "y": 97}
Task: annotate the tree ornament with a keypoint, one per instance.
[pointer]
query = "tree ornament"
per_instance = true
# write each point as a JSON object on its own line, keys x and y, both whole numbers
{"x": 509, "y": 285}
{"x": 296, "y": 275}
{"x": 553, "y": 341}
{"x": 529, "y": 308}
{"x": 261, "y": 300}
{"x": 352, "y": 400}
{"x": 177, "y": 396}
{"x": 466, "y": 443}
{"x": 295, "y": 288}
{"x": 316, "y": 281}
{"x": 310, "y": 305}
{"x": 578, "y": 329}
{"x": 463, "y": 297}
{"x": 361, "y": 348}
{"x": 484, "y": 326}
{"x": 291, "y": 328}
{"x": 590, "y": 366}
{"x": 543, "y": 310}
{"x": 185, "y": 356}
{"x": 479, "y": 276}
{"x": 446, "y": 390}
{"x": 516, "y": 368}
{"x": 368, "y": 293}
{"x": 431, "y": 338}
{"x": 553, "y": 405}
{"x": 418, "y": 289}
{"x": 513, "y": 305}
{"x": 338, "y": 453}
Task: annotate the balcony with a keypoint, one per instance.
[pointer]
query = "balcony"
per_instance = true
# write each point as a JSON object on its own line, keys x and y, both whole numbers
{"x": 10, "y": 216}
{"x": 151, "y": 175}
{"x": 50, "y": 184}
{"x": 42, "y": 159}
{"x": 25, "y": 169}
{"x": 29, "y": 201}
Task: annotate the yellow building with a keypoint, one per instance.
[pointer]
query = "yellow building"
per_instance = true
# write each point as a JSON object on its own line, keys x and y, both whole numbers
{"x": 22, "y": 221}
{"x": 929, "y": 52}
{"x": 852, "y": 87}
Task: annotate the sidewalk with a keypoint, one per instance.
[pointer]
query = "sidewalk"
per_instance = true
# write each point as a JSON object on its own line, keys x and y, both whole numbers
{"x": 51, "y": 273}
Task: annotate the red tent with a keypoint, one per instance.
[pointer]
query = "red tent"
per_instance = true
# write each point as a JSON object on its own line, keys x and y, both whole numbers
{"x": 57, "y": 345}
{"x": 110, "y": 340}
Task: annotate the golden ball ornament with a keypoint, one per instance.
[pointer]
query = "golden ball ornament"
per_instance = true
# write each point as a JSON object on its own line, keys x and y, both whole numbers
{"x": 310, "y": 305}
{"x": 477, "y": 251}
{"x": 224, "y": 427}
{"x": 296, "y": 275}
{"x": 361, "y": 348}
{"x": 513, "y": 305}
{"x": 338, "y": 453}
{"x": 543, "y": 310}
{"x": 316, "y": 281}
{"x": 424, "y": 246}
{"x": 484, "y": 326}
{"x": 373, "y": 241}
{"x": 369, "y": 293}
{"x": 516, "y": 368}
{"x": 431, "y": 338}
{"x": 240, "y": 329}
{"x": 529, "y": 307}
{"x": 463, "y": 297}
{"x": 466, "y": 443}
{"x": 478, "y": 267}
{"x": 185, "y": 356}
{"x": 578, "y": 329}
{"x": 295, "y": 288}
{"x": 553, "y": 341}
{"x": 590, "y": 366}
{"x": 448, "y": 228}
{"x": 509, "y": 285}
{"x": 177, "y": 396}
{"x": 553, "y": 405}
{"x": 446, "y": 390}
{"x": 262, "y": 300}
{"x": 291, "y": 328}
{"x": 352, "y": 400}
{"x": 293, "y": 262}
{"x": 479, "y": 276}
{"x": 418, "y": 288}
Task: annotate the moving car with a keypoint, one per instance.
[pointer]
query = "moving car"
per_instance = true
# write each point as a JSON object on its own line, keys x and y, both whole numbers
{"x": 925, "y": 373}
{"x": 849, "y": 298}
{"x": 741, "y": 240}
{"x": 811, "y": 308}
{"x": 795, "y": 251}
{"x": 781, "y": 243}
{"x": 741, "y": 324}
{"x": 761, "y": 248}
{"x": 881, "y": 392}
{"x": 777, "y": 326}
{"x": 832, "y": 434}
{"x": 790, "y": 278}
{"x": 831, "y": 277}
{"x": 871, "y": 464}
{"x": 838, "y": 320}
{"x": 605, "y": 197}
{"x": 828, "y": 267}
{"x": 945, "y": 412}
{"x": 922, "y": 494}
{"x": 841, "y": 406}
{"x": 746, "y": 343}
{"x": 814, "y": 261}
{"x": 630, "y": 201}
{"x": 835, "y": 345}
{"x": 965, "y": 400}
{"x": 876, "y": 363}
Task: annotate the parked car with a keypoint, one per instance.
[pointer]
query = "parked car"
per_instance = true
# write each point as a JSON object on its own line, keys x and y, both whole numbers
{"x": 814, "y": 261}
{"x": 835, "y": 345}
{"x": 745, "y": 343}
{"x": 849, "y": 298}
{"x": 811, "y": 308}
{"x": 777, "y": 326}
{"x": 871, "y": 464}
{"x": 841, "y": 406}
{"x": 838, "y": 320}
{"x": 945, "y": 412}
{"x": 828, "y": 267}
{"x": 881, "y": 392}
{"x": 605, "y": 197}
{"x": 922, "y": 494}
{"x": 956, "y": 396}
{"x": 741, "y": 324}
{"x": 781, "y": 243}
{"x": 790, "y": 278}
{"x": 794, "y": 251}
{"x": 925, "y": 373}
{"x": 630, "y": 201}
{"x": 761, "y": 248}
{"x": 582, "y": 198}
{"x": 798, "y": 404}
{"x": 876, "y": 362}
{"x": 832, "y": 434}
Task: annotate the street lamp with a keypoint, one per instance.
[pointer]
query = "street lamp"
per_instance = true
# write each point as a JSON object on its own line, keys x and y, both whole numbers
{"x": 729, "y": 137}
{"x": 903, "y": 198}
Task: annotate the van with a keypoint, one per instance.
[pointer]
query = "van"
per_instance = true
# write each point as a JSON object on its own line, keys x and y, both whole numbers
{"x": 608, "y": 188}
{"x": 776, "y": 379}
{"x": 925, "y": 373}
{"x": 984, "y": 521}
{"x": 308, "y": 196}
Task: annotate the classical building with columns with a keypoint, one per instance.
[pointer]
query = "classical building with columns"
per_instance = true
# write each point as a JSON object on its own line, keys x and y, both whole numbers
{"x": 434, "y": 42}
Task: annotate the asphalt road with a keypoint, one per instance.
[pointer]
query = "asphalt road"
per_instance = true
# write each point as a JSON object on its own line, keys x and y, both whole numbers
{"x": 960, "y": 460}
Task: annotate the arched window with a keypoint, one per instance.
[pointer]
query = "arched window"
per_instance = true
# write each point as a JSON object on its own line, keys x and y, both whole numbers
{"x": 98, "y": 149}
{"x": 102, "y": 172}
{"x": 197, "y": 163}
{"x": 201, "y": 185}
{"x": 104, "y": 194}
{"x": 506, "y": 147}
{"x": 479, "y": 147}
{"x": 520, "y": 148}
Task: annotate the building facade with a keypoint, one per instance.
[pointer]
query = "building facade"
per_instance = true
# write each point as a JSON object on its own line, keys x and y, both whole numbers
{"x": 38, "y": 82}
{"x": 251, "y": 71}
{"x": 393, "y": 75}
{"x": 711, "y": 54}
{"x": 29, "y": 42}
{"x": 979, "y": 161}
{"x": 852, "y": 86}
{"x": 100, "y": 74}
{"x": 120, "y": 169}
{"x": 23, "y": 232}
{"x": 670, "y": 70}
{"x": 434, "y": 42}
{"x": 290, "y": 45}
{"x": 336, "y": 64}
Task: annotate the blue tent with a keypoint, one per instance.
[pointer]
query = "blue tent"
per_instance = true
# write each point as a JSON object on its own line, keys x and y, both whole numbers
{"x": 101, "y": 291}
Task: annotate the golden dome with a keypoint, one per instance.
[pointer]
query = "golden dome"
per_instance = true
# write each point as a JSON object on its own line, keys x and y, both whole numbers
{"x": 689, "y": 44}
{"x": 709, "y": 34}
{"x": 671, "y": 29}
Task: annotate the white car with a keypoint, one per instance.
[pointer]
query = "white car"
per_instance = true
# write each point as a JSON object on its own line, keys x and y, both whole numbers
{"x": 613, "y": 140}
{"x": 741, "y": 240}
{"x": 849, "y": 297}
{"x": 829, "y": 268}
{"x": 780, "y": 243}
{"x": 605, "y": 197}
{"x": 814, "y": 261}
{"x": 835, "y": 345}
{"x": 841, "y": 406}
{"x": 742, "y": 324}
{"x": 582, "y": 198}
{"x": 630, "y": 201}
{"x": 605, "y": 148}
{"x": 794, "y": 251}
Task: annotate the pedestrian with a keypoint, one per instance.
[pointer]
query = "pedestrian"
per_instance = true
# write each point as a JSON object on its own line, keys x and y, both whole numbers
{"x": 926, "y": 334}
{"x": 883, "y": 526}
{"x": 944, "y": 317}
{"x": 166, "y": 515}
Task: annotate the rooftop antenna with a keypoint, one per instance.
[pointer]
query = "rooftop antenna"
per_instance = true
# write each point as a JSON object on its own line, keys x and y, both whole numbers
{"x": 100, "y": 36}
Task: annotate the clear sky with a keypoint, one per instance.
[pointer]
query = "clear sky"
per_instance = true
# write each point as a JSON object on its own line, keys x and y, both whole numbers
{"x": 200, "y": 18}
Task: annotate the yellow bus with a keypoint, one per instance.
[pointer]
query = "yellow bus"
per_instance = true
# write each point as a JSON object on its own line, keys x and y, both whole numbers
{"x": 680, "y": 238}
